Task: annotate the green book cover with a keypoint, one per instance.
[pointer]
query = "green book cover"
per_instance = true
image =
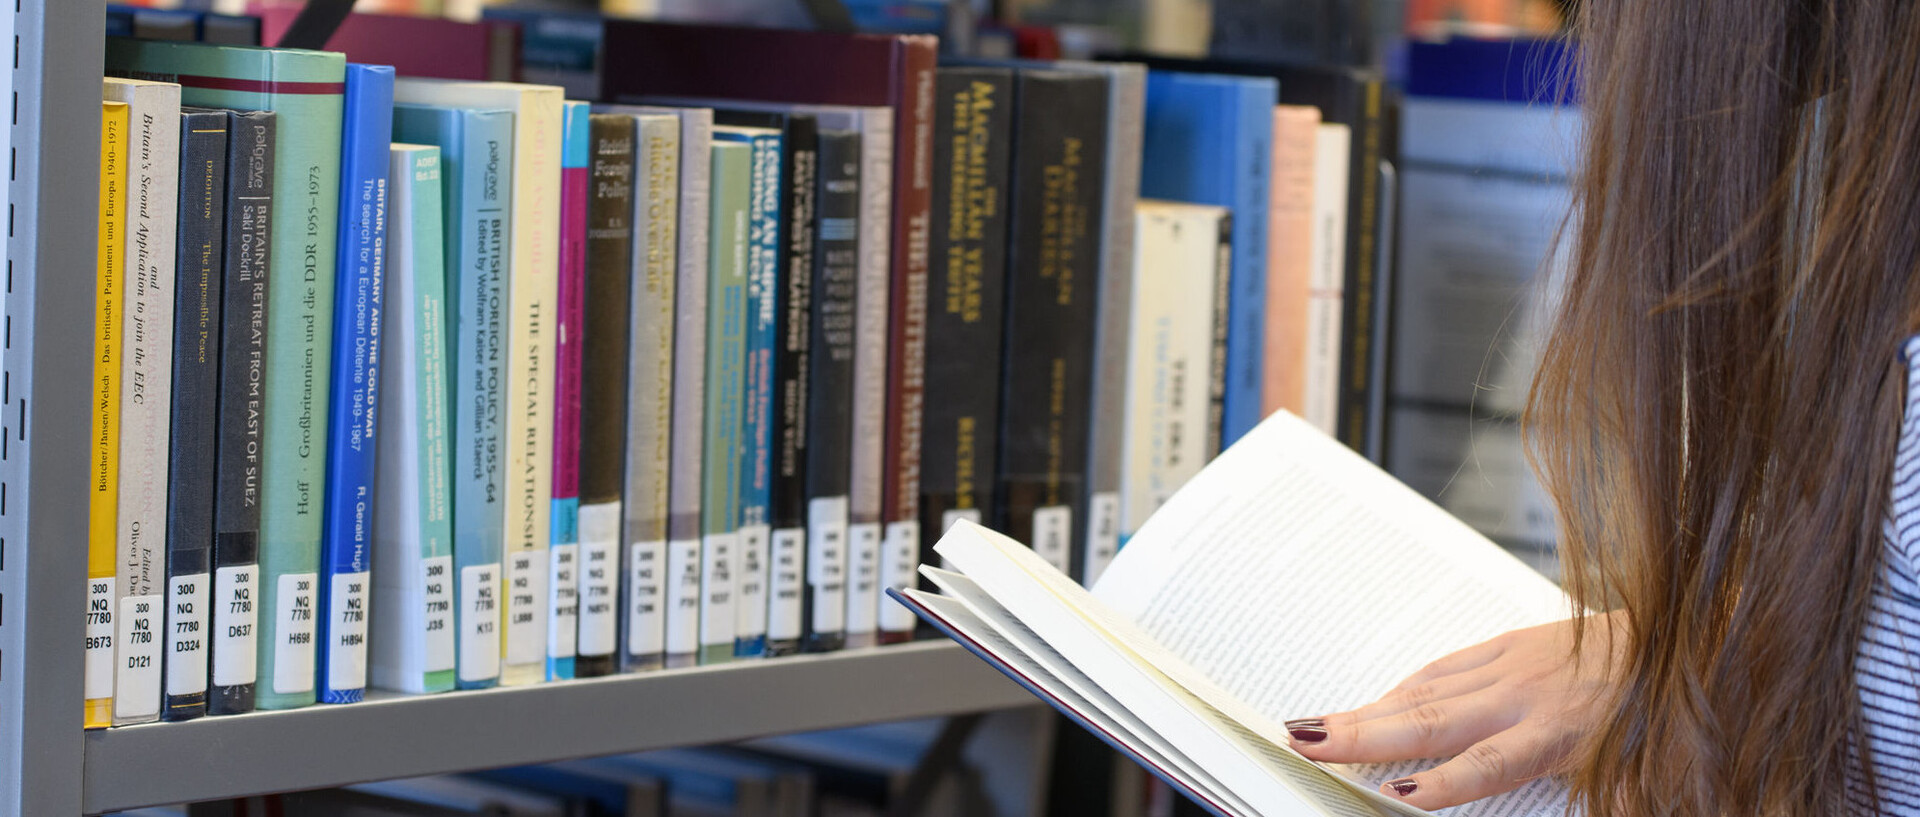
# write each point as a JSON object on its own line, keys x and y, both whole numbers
{"x": 726, "y": 393}
{"x": 305, "y": 89}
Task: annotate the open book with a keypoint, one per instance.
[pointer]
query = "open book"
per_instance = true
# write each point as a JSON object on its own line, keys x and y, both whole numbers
{"x": 1291, "y": 578}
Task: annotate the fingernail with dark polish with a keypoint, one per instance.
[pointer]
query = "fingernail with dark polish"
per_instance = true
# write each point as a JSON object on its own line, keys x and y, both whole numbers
{"x": 1307, "y": 730}
{"x": 1404, "y": 786}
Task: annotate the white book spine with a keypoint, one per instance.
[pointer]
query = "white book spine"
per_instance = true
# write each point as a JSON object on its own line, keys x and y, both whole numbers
{"x": 682, "y": 617}
{"x": 870, "y": 376}
{"x": 1330, "y": 171}
{"x": 146, "y": 386}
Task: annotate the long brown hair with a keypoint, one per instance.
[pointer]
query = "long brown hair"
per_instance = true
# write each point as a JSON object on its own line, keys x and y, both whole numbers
{"x": 1717, "y": 407}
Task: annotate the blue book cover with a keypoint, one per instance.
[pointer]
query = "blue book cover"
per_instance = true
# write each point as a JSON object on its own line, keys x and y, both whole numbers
{"x": 756, "y": 435}
{"x": 1209, "y": 140}
{"x": 476, "y": 150}
{"x": 347, "y": 523}
{"x": 563, "y": 552}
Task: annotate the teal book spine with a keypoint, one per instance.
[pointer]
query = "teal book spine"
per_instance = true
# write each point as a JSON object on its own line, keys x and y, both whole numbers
{"x": 563, "y": 553}
{"x": 476, "y": 150}
{"x": 732, "y": 192}
{"x": 305, "y": 88}
{"x": 413, "y": 578}
{"x": 752, "y": 557}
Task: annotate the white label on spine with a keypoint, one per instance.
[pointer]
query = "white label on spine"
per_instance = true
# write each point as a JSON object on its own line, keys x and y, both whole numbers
{"x": 99, "y": 663}
{"x": 293, "y": 649}
{"x": 187, "y": 633}
{"x": 646, "y": 622}
{"x": 1103, "y": 535}
{"x": 785, "y": 586}
{"x": 599, "y": 578}
{"x": 717, "y": 624}
{"x": 480, "y": 622}
{"x": 437, "y": 576}
{"x": 347, "y": 631}
{"x": 898, "y": 559}
{"x": 563, "y": 587}
{"x": 683, "y": 596}
{"x": 827, "y": 562}
{"x": 1053, "y": 535}
{"x": 863, "y": 577}
{"x": 750, "y": 582}
{"x": 946, "y": 523}
{"x": 526, "y": 592}
{"x": 235, "y": 625}
{"x": 136, "y": 692}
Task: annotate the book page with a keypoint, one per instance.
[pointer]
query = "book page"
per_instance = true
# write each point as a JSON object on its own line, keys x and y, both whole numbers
{"x": 1302, "y": 580}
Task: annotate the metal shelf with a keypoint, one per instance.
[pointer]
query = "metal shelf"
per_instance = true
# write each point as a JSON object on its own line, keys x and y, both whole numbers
{"x": 405, "y": 735}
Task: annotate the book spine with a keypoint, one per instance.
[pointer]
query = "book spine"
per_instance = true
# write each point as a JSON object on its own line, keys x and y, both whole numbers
{"x": 907, "y": 329}
{"x": 533, "y": 279}
{"x": 146, "y": 352}
{"x": 787, "y": 502}
{"x": 200, "y": 217}
{"x": 104, "y": 467}
{"x": 1045, "y": 394}
{"x": 682, "y": 561}
{"x": 476, "y": 149}
{"x": 829, "y": 423}
{"x": 353, "y": 399}
{"x": 244, "y": 344}
{"x": 756, "y": 440}
{"x": 726, "y": 383}
{"x": 1251, "y": 172}
{"x": 563, "y": 576}
{"x": 654, "y": 389}
{"x": 972, "y": 153}
{"x": 413, "y": 577}
{"x": 1126, "y": 117}
{"x": 870, "y": 359}
{"x": 1220, "y": 310}
{"x": 1363, "y": 276}
{"x": 1330, "y": 192}
{"x": 607, "y": 291}
{"x": 1289, "y": 257}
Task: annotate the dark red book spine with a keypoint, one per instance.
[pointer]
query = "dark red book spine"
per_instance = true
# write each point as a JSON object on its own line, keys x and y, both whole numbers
{"x": 907, "y": 326}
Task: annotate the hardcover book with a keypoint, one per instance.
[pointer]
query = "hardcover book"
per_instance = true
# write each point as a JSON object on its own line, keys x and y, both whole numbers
{"x": 1175, "y": 367}
{"x": 201, "y": 222}
{"x": 1165, "y": 659}
{"x": 413, "y": 568}
{"x": 604, "y": 346}
{"x": 1054, "y": 254}
{"x": 103, "y": 465}
{"x": 531, "y": 313}
{"x": 830, "y": 387}
{"x": 305, "y": 88}
{"x": 252, "y": 137}
{"x": 757, "y": 413}
{"x": 1209, "y": 140}
{"x": 146, "y": 390}
{"x": 563, "y": 576}
{"x": 726, "y": 400}
{"x": 972, "y": 174}
{"x": 352, "y": 408}
{"x": 476, "y": 147}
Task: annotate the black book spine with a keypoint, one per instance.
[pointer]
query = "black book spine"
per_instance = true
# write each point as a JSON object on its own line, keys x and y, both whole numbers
{"x": 196, "y": 385}
{"x": 1058, "y": 182}
{"x": 243, "y": 353}
{"x": 603, "y": 372}
{"x": 829, "y": 411}
{"x": 1217, "y": 357}
{"x": 1359, "y": 327}
{"x": 787, "y": 503}
{"x": 967, "y": 259}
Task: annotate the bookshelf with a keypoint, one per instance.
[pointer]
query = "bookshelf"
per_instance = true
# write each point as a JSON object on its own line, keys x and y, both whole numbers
{"x": 48, "y": 765}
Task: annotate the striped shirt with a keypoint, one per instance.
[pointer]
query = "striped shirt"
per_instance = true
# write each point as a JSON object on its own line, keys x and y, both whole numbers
{"x": 1889, "y": 665}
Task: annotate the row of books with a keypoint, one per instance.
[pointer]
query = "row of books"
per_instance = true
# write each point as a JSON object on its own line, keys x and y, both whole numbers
{"x": 431, "y": 384}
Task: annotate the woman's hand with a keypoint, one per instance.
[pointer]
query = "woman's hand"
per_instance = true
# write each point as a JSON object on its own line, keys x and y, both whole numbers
{"x": 1507, "y": 711}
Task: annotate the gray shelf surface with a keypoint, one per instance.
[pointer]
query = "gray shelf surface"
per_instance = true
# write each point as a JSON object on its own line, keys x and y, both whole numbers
{"x": 392, "y": 735}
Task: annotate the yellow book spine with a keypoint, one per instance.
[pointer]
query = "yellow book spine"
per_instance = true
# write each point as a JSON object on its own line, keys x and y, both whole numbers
{"x": 104, "y": 499}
